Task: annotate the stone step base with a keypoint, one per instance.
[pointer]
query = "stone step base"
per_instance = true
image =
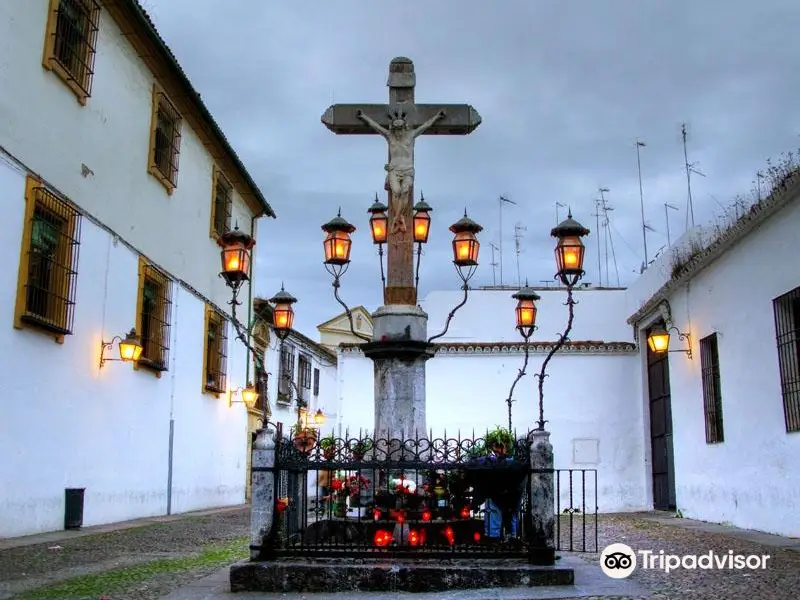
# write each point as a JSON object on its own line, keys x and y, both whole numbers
{"x": 342, "y": 575}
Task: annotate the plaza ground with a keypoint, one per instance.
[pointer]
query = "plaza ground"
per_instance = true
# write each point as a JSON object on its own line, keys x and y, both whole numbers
{"x": 186, "y": 557}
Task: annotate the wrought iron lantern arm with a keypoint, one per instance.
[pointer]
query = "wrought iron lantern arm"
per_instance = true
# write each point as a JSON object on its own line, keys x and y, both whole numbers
{"x": 452, "y": 313}
{"x": 416, "y": 270}
{"x": 526, "y": 347}
{"x": 563, "y": 338}
{"x": 336, "y": 285}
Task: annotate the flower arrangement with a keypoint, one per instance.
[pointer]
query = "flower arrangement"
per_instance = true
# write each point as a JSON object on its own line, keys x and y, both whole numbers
{"x": 344, "y": 488}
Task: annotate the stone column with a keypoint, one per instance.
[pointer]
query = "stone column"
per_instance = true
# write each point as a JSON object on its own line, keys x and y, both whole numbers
{"x": 262, "y": 508}
{"x": 541, "y": 535}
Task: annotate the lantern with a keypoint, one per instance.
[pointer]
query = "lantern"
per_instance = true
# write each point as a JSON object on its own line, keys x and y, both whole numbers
{"x": 130, "y": 349}
{"x": 337, "y": 242}
{"x": 658, "y": 340}
{"x": 526, "y": 310}
{"x": 465, "y": 242}
{"x": 249, "y": 396}
{"x": 236, "y": 247}
{"x": 319, "y": 417}
{"x": 378, "y": 222}
{"x": 569, "y": 250}
{"x": 422, "y": 221}
{"x": 282, "y": 311}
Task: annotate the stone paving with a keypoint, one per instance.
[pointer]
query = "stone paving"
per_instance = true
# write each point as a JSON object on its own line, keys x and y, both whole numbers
{"x": 26, "y": 564}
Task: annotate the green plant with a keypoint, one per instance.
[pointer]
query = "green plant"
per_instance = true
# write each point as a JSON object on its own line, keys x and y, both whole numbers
{"x": 499, "y": 437}
{"x": 361, "y": 446}
{"x": 328, "y": 442}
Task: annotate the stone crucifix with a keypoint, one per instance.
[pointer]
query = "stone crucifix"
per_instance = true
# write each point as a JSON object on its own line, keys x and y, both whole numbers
{"x": 400, "y": 122}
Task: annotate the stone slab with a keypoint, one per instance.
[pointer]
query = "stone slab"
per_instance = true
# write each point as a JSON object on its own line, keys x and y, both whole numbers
{"x": 589, "y": 582}
{"x": 309, "y": 575}
{"x": 398, "y": 322}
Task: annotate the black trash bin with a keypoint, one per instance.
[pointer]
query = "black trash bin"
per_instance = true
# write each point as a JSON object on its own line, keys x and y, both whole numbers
{"x": 73, "y": 508}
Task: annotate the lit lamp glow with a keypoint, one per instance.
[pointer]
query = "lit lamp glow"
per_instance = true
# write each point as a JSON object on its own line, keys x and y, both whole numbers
{"x": 422, "y": 221}
{"x": 236, "y": 248}
{"x": 526, "y": 310}
{"x": 465, "y": 243}
{"x": 319, "y": 417}
{"x": 337, "y": 241}
{"x": 130, "y": 349}
{"x": 282, "y": 312}
{"x": 658, "y": 340}
{"x": 249, "y": 396}
{"x": 569, "y": 250}
{"x": 378, "y": 221}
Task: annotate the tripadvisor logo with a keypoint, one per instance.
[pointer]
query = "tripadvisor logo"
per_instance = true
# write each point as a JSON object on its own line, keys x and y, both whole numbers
{"x": 619, "y": 561}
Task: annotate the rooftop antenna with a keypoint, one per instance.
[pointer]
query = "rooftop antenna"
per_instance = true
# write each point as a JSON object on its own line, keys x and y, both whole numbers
{"x": 667, "y": 208}
{"x": 640, "y": 144}
{"x": 609, "y": 241}
{"x": 690, "y": 168}
{"x": 596, "y": 215}
{"x": 558, "y": 204}
{"x": 501, "y": 200}
{"x": 493, "y": 264}
{"x": 518, "y": 229}
{"x": 759, "y": 177}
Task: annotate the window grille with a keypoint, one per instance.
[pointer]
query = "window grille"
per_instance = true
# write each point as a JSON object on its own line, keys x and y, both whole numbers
{"x": 216, "y": 351}
{"x": 316, "y": 382}
{"x": 155, "y": 308}
{"x": 72, "y": 42}
{"x": 712, "y": 391}
{"x": 286, "y": 374}
{"x": 223, "y": 204}
{"x": 166, "y": 141}
{"x": 53, "y": 240}
{"x": 786, "y": 309}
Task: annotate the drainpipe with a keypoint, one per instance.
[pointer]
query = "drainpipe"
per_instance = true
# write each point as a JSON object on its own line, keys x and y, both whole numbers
{"x": 172, "y": 399}
{"x": 250, "y": 297}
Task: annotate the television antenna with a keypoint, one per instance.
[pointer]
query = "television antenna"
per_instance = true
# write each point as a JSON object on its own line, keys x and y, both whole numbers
{"x": 667, "y": 208}
{"x": 640, "y": 144}
{"x": 559, "y": 205}
{"x": 690, "y": 168}
{"x": 518, "y": 229}
{"x": 609, "y": 241}
{"x": 596, "y": 215}
{"x": 501, "y": 201}
{"x": 493, "y": 264}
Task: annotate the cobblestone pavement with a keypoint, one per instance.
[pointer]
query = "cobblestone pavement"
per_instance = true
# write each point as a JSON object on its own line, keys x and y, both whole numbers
{"x": 32, "y": 566}
{"x": 779, "y": 581}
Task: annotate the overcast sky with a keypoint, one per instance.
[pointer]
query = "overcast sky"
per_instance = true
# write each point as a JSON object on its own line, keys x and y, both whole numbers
{"x": 564, "y": 89}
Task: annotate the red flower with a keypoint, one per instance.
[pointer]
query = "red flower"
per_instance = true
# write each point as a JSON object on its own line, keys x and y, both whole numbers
{"x": 336, "y": 485}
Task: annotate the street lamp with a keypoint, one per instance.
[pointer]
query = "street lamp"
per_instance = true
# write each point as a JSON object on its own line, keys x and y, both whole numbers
{"x": 658, "y": 340}
{"x": 378, "y": 222}
{"x": 465, "y": 257}
{"x": 282, "y": 312}
{"x": 248, "y": 393}
{"x": 130, "y": 348}
{"x": 525, "y": 313}
{"x": 569, "y": 253}
{"x": 236, "y": 248}
{"x": 422, "y": 227}
{"x": 319, "y": 417}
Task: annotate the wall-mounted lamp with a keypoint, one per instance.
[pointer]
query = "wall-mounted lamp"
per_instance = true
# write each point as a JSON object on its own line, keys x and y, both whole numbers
{"x": 319, "y": 417}
{"x": 130, "y": 348}
{"x": 249, "y": 396}
{"x": 658, "y": 340}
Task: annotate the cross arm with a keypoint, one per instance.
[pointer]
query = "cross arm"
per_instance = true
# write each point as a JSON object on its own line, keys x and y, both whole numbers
{"x": 460, "y": 119}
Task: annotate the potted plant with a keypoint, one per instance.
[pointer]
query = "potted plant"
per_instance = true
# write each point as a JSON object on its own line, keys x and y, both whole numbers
{"x": 359, "y": 448}
{"x": 304, "y": 439}
{"x": 328, "y": 446}
{"x": 501, "y": 441}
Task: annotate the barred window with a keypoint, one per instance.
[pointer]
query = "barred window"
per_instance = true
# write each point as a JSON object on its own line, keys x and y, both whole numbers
{"x": 165, "y": 141}
{"x": 286, "y": 373}
{"x": 316, "y": 382}
{"x": 216, "y": 359}
{"x": 153, "y": 317}
{"x": 49, "y": 261}
{"x": 303, "y": 376}
{"x": 71, "y": 43}
{"x": 222, "y": 205}
{"x": 787, "y": 331}
{"x": 712, "y": 392}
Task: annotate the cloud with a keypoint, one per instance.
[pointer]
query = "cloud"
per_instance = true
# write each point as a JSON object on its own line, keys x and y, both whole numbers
{"x": 564, "y": 89}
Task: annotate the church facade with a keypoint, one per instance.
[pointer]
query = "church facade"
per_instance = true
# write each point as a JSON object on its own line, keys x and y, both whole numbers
{"x": 116, "y": 183}
{"x": 711, "y": 434}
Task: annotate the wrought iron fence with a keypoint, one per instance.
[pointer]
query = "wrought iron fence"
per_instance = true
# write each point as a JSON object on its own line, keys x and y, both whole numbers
{"x": 576, "y": 510}
{"x": 443, "y": 497}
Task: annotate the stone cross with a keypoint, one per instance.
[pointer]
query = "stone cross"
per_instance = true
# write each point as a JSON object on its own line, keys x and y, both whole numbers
{"x": 400, "y": 122}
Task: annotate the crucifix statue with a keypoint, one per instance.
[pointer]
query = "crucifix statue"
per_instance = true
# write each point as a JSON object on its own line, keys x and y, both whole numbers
{"x": 400, "y": 123}
{"x": 400, "y": 137}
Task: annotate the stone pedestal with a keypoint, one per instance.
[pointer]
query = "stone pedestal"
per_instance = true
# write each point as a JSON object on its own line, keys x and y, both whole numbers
{"x": 262, "y": 511}
{"x": 542, "y": 499}
{"x": 399, "y": 350}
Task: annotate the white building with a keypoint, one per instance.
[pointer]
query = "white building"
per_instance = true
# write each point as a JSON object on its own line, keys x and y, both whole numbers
{"x": 336, "y": 331}
{"x": 714, "y": 436}
{"x": 113, "y": 232}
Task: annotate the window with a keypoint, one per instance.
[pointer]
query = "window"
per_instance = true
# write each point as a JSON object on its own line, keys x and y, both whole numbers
{"x": 48, "y": 263}
{"x": 165, "y": 141}
{"x": 316, "y": 382}
{"x": 70, "y": 43}
{"x": 304, "y": 376}
{"x": 712, "y": 392}
{"x": 221, "y": 205}
{"x": 286, "y": 374}
{"x": 215, "y": 355}
{"x": 154, "y": 307}
{"x": 787, "y": 332}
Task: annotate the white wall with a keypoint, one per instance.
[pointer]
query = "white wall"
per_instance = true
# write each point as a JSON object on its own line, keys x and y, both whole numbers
{"x": 751, "y": 479}
{"x": 67, "y": 423}
{"x": 43, "y": 125}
